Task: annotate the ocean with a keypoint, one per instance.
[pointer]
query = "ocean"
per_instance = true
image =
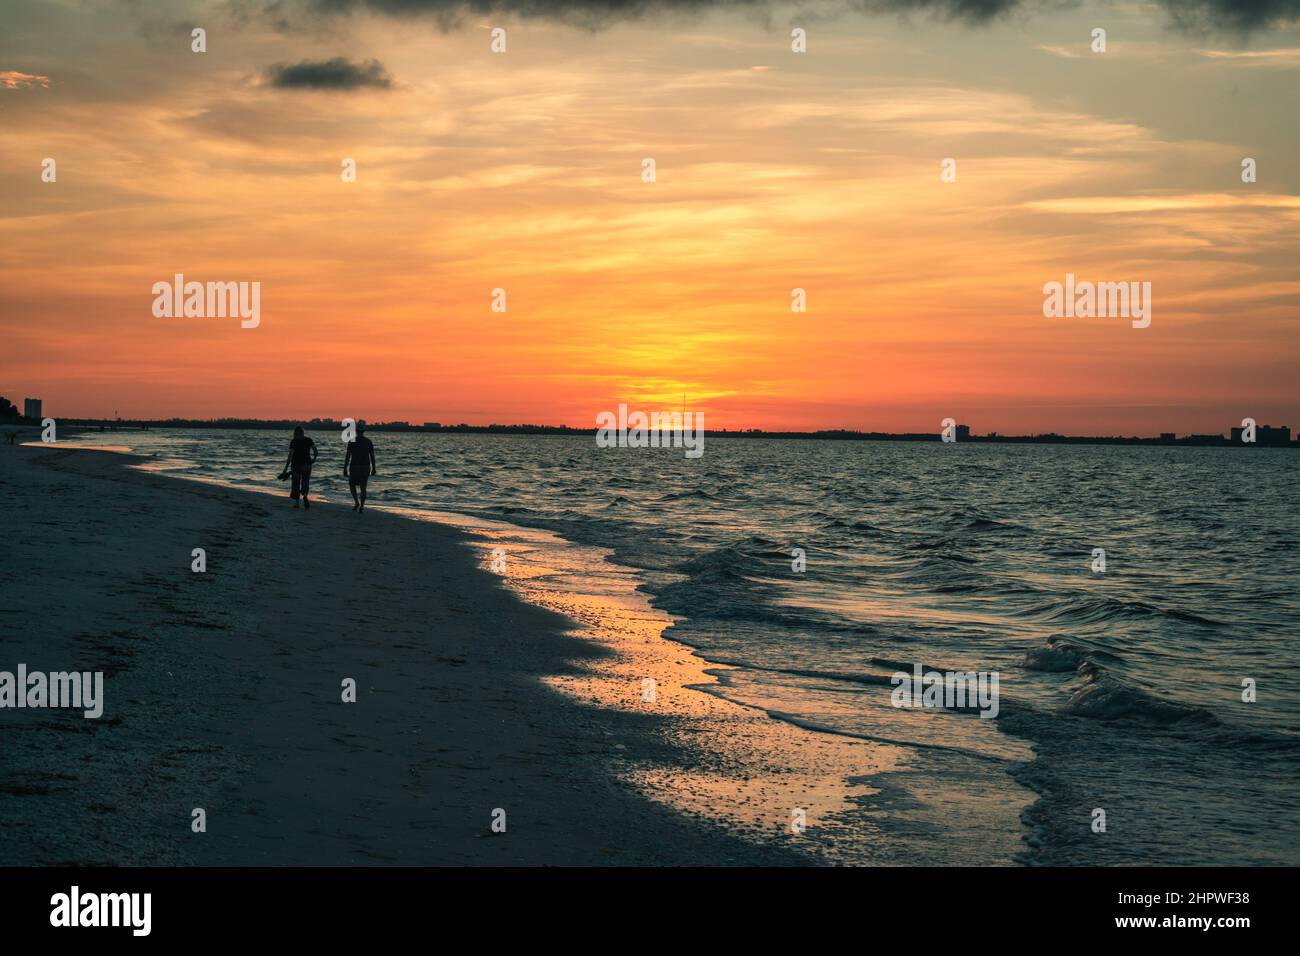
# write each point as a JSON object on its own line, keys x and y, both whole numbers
{"x": 1162, "y": 692}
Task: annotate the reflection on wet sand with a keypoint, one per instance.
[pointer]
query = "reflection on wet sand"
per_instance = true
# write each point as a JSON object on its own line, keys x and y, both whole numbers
{"x": 742, "y": 769}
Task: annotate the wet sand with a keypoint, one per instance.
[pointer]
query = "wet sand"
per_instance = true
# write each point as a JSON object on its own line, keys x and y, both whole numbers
{"x": 223, "y": 692}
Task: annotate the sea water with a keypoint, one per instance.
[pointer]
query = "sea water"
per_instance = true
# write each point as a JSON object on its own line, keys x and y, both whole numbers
{"x": 1163, "y": 691}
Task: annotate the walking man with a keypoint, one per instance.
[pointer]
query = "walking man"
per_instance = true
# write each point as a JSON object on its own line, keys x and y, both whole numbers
{"x": 359, "y": 465}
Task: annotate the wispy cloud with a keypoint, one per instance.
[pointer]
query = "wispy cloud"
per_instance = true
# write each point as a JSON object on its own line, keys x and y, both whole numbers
{"x": 1279, "y": 59}
{"x": 13, "y": 80}
{"x": 1172, "y": 203}
{"x": 1061, "y": 51}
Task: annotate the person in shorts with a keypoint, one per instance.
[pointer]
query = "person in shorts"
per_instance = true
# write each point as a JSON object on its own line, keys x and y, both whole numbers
{"x": 359, "y": 465}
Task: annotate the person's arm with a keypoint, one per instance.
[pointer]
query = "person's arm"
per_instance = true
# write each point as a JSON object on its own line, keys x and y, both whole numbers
{"x": 313, "y": 451}
{"x": 372, "y": 459}
{"x": 347, "y": 457}
{"x": 289, "y": 461}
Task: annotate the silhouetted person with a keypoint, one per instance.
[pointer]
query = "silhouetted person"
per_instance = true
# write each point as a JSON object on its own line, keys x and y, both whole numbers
{"x": 359, "y": 465}
{"x": 302, "y": 455}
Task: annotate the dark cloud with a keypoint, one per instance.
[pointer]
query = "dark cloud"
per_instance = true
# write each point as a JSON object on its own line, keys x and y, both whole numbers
{"x": 1232, "y": 14}
{"x": 335, "y": 74}
{"x": 1196, "y": 14}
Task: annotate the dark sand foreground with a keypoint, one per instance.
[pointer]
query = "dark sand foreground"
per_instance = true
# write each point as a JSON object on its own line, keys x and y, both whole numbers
{"x": 222, "y": 691}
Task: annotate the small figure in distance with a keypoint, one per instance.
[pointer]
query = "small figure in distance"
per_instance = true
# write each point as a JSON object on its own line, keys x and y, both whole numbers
{"x": 359, "y": 465}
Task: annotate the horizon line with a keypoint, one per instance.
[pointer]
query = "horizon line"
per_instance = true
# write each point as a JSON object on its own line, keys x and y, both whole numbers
{"x": 1272, "y": 435}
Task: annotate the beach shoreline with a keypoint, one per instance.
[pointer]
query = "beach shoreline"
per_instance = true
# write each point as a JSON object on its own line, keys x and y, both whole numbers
{"x": 223, "y": 692}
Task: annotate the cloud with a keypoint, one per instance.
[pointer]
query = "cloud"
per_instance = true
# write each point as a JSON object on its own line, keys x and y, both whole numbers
{"x": 335, "y": 74}
{"x": 13, "y": 80}
{"x": 1235, "y": 15}
{"x": 1278, "y": 59}
{"x": 1238, "y": 15}
{"x": 1061, "y": 51}
{"x": 1207, "y": 202}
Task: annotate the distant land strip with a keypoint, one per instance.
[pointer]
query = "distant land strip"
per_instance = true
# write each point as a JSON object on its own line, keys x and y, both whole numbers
{"x": 1267, "y": 436}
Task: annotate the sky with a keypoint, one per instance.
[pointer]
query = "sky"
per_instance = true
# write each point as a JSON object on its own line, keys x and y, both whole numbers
{"x": 774, "y": 170}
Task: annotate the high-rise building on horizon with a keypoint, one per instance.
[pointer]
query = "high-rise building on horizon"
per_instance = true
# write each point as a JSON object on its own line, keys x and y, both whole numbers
{"x": 32, "y": 408}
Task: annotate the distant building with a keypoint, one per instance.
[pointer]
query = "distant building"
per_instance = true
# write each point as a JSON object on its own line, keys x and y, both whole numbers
{"x": 1167, "y": 438}
{"x": 963, "y": 433}
{"x": 433, "y": 426}
{"x": 32, "y": 408}
{"x": 1274, "y": 436}
{"x": 1266, "y": 435}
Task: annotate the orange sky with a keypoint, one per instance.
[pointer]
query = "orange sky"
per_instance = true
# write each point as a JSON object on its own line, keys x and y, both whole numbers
{"x": 775, "y": 170}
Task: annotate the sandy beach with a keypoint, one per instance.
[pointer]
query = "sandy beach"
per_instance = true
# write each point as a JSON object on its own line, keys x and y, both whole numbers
{"x": 223, "y": 692}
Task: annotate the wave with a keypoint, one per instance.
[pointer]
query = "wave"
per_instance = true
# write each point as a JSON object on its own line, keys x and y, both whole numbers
{"x": 972, "y": 519}
{"x": 1087, "y": 609}
{"x": 1107, "y": 698}
{"x": 860, "y": 527}
{"x": 1057, "y": 657}
{"x": 749, "y": 554}
{"x": 807, "y": 724}
{"x": 695, "y": 494}
{"x": 871, "y": 680}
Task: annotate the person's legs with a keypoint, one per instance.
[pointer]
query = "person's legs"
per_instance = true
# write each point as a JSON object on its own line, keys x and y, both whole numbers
{"x": 306, "y": 485}
{"x": 363, "y": 497}
{"x": 295, "y": 484}
{"x": 352, "y": 487}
